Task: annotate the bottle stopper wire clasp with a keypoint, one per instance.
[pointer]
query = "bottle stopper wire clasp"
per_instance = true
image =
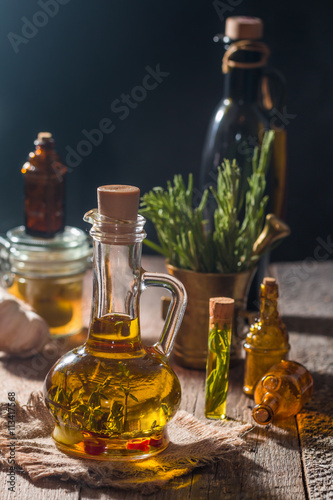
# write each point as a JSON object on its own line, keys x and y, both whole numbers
{"x": 249, "y": 46}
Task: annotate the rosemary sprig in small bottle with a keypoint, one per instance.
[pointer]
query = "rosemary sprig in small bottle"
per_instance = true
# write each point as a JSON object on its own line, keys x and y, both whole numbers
{"x": 217, "y": 371}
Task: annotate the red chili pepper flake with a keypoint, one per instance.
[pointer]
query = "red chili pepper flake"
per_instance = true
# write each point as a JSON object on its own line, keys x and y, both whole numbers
{"x": 138, "y": 444}
{"x": 156, "y": 442}
{"x": 94, "y": 446}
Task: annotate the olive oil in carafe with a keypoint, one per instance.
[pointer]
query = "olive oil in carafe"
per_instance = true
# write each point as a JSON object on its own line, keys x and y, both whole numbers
{"x": 112, "y": 392}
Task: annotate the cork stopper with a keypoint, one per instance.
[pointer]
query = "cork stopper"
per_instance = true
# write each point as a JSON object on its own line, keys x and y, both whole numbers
{"x": 244, "y": 28}
{"x": 269, "y": 287}
{"x": 262, "y": 415}
{"x": 118, "y": 201}
{"x": 44, "y": 135}
{"x": 269, "y": 281}
{"x": 221, "y": 308}
{"x": 44, "y": 138}
{"x": 270, "y": 284}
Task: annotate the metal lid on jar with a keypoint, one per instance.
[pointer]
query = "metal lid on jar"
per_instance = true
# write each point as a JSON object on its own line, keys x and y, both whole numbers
{"x": 65, "y": 254}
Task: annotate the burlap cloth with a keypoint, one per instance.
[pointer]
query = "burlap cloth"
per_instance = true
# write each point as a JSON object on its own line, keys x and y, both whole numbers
{"x": 192, "y": 444}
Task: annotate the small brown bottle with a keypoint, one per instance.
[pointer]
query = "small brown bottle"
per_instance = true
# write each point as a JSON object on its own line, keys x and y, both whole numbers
{"x": 282, "y": 392}
{"x": 267, "y": 341}
{"x": 44, "y": 177}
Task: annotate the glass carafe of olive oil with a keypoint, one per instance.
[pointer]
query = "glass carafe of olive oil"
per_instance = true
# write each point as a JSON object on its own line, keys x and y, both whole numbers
{"x": 112, "y": 397}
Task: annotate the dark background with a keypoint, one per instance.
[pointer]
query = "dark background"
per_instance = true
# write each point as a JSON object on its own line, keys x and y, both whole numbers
{"x": 89, "y": 53}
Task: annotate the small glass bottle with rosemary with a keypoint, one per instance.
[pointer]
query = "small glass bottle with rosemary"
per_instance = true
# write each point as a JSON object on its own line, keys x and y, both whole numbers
{"x": 221, "y": 311}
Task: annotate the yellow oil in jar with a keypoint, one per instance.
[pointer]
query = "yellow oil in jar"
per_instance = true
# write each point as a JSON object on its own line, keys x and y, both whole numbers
{"x": 57, "y": 300}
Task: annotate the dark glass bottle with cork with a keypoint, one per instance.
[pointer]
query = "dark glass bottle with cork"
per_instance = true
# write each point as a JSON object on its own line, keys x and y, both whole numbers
{"x": 47, "y": 260}
{"x": 252, "y": 96}
{"x": 44, "y": 179}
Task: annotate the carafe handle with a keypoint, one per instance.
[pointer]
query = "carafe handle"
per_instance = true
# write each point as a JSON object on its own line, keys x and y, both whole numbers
{"x": 176, "y": 309}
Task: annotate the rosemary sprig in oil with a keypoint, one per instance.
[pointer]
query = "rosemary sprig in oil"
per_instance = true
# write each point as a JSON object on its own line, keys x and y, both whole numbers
{"x": 217, "y": 369}
{"x": 82, "y": 411}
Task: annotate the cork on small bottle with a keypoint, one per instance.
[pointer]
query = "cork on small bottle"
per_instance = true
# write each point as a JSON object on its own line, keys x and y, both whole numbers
{"x": 118, "y": 201}
{"x": 244, "y": 28}
{"x": 42, "y": 136}
{"x": 221, "y": 309}
{"x": 261, "y": 415}
{"x": 269, "y": 281}
{"x": 269, "y": 286}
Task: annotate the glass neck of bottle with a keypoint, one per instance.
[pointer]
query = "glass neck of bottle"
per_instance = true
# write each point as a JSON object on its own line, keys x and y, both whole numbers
{"x": 268, "y": 309}
{"x": 117, "y": 280}
{"x": 45, "y": 150}
{"x": 242, "y": 84}
{"x": 264, "y": 412}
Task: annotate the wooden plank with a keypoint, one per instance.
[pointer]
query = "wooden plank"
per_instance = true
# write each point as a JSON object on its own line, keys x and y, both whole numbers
{"x": 306, "y": 289}
{"x": 177, "y": 490}
{"x": 310, "y": 311}
{"x": 273, "y": 467}
{"x": 269, "y": 469}
{"x": 42, "y": 490}
{"x": 316, "y": 422}
{"x": 280, "y": 463}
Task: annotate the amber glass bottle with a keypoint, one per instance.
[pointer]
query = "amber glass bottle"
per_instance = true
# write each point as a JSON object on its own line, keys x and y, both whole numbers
{"x": 267, "y": 341}
{"x": 282, "y": 392}
{"x": 44, "y": 178}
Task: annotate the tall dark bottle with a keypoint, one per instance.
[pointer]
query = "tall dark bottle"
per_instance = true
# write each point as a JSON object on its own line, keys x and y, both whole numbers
{"x": 252, "y": 99}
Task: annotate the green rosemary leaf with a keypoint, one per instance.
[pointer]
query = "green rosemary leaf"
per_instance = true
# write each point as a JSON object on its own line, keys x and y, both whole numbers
{"x": 154, "y": 246}
{"x": 125, "y": 391}
{"x": 104, "y": 396}
{"x": 183, "y": 234}
{"x": 165, "y": 408}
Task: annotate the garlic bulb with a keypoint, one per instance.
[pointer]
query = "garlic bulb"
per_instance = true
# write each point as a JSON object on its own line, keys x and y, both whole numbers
{"x": 22, "y": 332}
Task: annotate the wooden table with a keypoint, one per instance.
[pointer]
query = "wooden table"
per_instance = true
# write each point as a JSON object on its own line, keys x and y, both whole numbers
{"x": 289, "y": 461}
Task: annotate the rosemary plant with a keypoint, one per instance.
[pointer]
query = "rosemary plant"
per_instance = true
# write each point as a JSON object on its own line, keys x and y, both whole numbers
{"x": 182, "y": 231}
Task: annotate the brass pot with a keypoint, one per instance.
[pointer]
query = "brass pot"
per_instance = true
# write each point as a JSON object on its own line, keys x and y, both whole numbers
{"x": 190, "y": 349}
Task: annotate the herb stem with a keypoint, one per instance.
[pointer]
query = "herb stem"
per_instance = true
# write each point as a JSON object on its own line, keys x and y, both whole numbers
{"x": 183, "y": 233}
